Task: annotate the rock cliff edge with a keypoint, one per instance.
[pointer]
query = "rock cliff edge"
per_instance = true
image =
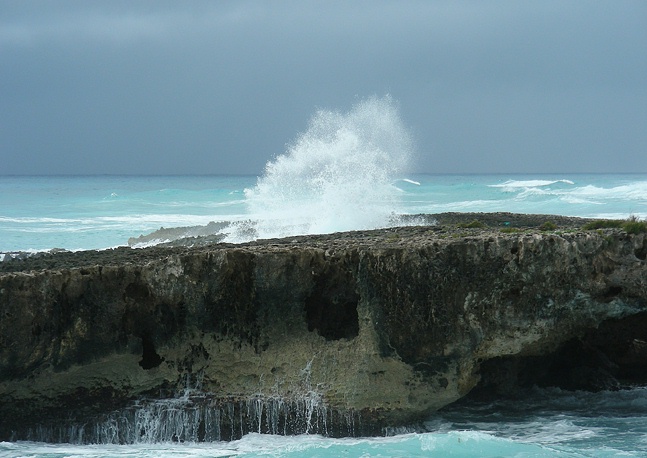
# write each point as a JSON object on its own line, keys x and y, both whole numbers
{"x": 336, "y": 334}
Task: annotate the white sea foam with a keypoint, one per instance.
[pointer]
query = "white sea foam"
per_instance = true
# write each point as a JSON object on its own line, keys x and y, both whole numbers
{"x": 515, "y": 184}
{"x": 336, "y": 176}
{"x": 630, "y": 191}
{"x": 633, "y": 191}
{"x": 544, "y": 423}
{"x": 149, "y": 243}
{"x": 32, "y": 216}
{"x": 457, "y": 443}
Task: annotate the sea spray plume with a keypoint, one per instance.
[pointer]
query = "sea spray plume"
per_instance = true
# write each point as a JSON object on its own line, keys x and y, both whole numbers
{"x": 336, "y": 176}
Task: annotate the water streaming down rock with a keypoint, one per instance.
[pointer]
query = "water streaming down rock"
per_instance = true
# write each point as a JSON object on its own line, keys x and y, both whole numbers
{"x": 196, "y": 415}
{"x": 336, "y": 176}
{"x": 199, "y": 417}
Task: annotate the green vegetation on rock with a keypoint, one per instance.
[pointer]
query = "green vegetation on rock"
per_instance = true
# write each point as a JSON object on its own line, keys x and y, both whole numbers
{"x": 632, "y": 226}
{"x": 603, "y": 224}
{"x": 635, "y": 227}
{"x": 548, "y": 226}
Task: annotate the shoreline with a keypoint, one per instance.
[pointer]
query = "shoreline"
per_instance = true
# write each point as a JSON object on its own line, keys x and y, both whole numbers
{"x": 57, "y": 257}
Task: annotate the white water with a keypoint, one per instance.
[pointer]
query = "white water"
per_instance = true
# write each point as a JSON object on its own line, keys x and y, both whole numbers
{"x": 336, "y": 176}
{"x": 41, "y": 213}
{"x": 454, "y": 444}
{"x": 541, "y": 423}
{"x": 199, "y": 417}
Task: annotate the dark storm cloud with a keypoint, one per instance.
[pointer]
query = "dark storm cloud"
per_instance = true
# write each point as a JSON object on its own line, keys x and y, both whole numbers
{"x": 221, "y": 87}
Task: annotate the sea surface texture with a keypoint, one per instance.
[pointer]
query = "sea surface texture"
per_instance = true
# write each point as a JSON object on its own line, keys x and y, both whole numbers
{"x": 76, "y": 212}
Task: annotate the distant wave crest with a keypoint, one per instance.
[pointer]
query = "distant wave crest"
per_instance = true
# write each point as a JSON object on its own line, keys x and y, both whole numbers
{"x": 514, "y": 185}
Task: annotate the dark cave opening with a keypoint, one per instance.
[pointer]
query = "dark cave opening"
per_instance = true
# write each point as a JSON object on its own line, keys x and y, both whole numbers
{"x": 150, "y": 358}
{"x": 331, "y": 308}
{"x": 611, "y": 357}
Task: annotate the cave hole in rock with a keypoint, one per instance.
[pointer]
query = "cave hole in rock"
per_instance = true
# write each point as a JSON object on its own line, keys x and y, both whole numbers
{"x": 611, "y": 357}
{"x": 331, "y": 308}
{"x": 611, "y": 293}
{"x": 641, "y": 253}
{"x": 137, "y": 292}
{"x": 150, "y": 358}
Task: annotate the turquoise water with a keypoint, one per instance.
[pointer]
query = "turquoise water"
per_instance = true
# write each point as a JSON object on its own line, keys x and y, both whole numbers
{"x": 411, "y": 445}
{"x": 40, "y": 213}
{"x": 541, "y": 423}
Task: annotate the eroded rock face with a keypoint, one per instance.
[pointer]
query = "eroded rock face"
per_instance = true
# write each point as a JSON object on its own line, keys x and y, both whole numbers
{"x": 384, "y": 326}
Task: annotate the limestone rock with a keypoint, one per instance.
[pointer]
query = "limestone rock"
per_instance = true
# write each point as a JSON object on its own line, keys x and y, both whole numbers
{"x": 384, "y": 325}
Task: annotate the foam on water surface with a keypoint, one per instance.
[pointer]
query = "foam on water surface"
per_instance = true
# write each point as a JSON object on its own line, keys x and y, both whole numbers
{"x": 512, "y": 185}
{"x": 541, "y": 423}
{"x": 463, "y": 444}
{"x": 41, "y": 213}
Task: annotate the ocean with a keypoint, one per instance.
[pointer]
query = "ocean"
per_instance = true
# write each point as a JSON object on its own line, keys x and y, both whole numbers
{"x": 100, "y": 212}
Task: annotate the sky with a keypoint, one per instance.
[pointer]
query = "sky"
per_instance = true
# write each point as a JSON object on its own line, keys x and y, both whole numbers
{"x": 219, "y": 87}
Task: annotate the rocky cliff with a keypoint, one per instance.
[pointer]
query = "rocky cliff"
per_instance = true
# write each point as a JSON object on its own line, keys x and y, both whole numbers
{"x": 337, "y": 334}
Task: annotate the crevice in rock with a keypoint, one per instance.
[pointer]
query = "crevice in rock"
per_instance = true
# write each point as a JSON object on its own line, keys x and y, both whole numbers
{"x": 611, "y": 293}
{"x": 331, "y": 308}
{"x": 150, "y": 358}
{"x": 138, "y": 292}
{"x": 641, "y": 253}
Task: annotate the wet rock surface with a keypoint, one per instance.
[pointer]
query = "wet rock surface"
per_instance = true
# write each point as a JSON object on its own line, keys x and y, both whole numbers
{"x": 381, "y": 326}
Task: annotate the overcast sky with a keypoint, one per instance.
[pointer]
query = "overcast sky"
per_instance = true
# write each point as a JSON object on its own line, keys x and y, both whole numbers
{"x": 221, "y": 87}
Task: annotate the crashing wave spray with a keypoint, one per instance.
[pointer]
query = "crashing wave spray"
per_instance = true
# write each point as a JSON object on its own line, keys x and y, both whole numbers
{"x": 337, "y": 176}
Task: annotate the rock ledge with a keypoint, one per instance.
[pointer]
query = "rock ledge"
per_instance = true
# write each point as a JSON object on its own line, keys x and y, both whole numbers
{"x": 341, "y": 334}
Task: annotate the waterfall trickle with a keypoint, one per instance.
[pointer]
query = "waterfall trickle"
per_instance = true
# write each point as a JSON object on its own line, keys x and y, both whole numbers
{"x": 194, "y": 415}
{"x": 202, "y": 418}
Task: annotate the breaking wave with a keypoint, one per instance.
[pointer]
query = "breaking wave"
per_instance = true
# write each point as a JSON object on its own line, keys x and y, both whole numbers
{"x": 336, "y": 176}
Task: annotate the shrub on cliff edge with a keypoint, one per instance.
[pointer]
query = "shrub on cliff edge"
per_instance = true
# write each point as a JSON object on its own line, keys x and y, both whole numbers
{"x": 632, "y": 226}
{"x": 548, "y": 226}
{"x": 603, "y": 224}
